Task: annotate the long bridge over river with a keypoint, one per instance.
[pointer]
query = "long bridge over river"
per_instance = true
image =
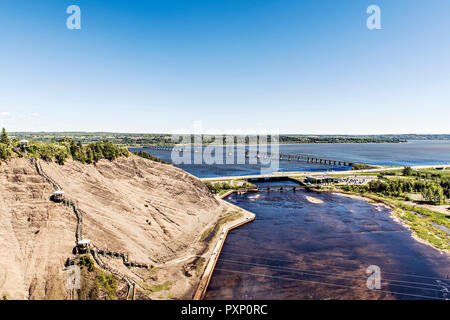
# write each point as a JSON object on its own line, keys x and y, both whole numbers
{"x": 287, "y": 175}
{"x": 274, "y": 187}
{"x": 271, "y": 156}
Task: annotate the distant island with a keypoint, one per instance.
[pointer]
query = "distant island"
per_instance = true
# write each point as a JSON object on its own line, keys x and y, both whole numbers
{"x": 160, "y": 139}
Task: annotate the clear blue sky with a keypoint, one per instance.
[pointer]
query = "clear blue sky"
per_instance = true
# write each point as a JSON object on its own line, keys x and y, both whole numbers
{"x": 157, "y": 66}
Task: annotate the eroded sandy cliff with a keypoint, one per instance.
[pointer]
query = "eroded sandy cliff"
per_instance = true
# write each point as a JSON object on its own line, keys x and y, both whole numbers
{"x": 154, "y": 212}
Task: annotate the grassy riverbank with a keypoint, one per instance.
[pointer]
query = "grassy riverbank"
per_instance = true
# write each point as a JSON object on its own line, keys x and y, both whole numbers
{"x": 425, "y": 224}
{"x": 419, "y": 200}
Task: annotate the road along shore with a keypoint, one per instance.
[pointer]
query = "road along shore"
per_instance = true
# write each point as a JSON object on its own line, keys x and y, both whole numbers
{"x": 223, "y": 233}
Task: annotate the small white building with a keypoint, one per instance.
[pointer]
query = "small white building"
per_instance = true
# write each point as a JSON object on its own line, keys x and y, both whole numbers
{"x": 318, "y": 180}
{"x": 23, "y": 144}
{"x": 84, "y": 242}
{"x": 83, "y": 245}
{"x": 58, "y": 196}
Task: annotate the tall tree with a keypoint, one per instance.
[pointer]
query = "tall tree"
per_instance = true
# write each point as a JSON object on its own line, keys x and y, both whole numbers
{"x": 4, "y": 152}
{"x": 434, "y": 194}
{"x": 4, "y": 137}
{"x": 407, "y": 171}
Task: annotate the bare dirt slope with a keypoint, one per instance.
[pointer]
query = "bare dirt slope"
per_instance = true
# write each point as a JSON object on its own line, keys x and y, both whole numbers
{"x": 36, "y": 235}
{"x": 155, "y": 212}
{"x": 149, "y": 209}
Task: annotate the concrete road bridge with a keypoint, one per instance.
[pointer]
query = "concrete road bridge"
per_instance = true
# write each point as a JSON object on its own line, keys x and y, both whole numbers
{"x": 274, "y": 156}
{"x": 286, "y": 175}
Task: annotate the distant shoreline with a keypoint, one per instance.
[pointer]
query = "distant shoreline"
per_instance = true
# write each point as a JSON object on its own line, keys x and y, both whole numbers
{"x": 144, "y": 140}
{"x": 255, "y": 144}
{"x": 150, "y": 140}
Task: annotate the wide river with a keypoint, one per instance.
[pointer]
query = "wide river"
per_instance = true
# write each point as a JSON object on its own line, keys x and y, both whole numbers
{"x": 309, "y": 245}
{"x": 410, "y": 153}
{"x": 297, "y": 249}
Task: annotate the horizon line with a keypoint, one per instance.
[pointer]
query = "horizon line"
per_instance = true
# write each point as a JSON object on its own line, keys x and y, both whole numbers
{"x": 223, "y": 133}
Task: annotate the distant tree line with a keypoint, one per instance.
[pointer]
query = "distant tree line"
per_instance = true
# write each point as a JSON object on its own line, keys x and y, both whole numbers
{"x": 149, "y": 139}
{"x": 336, "y": 139}
{"x": 62, "y": 150}
{"x": 146, "y": 155}
{"x": 66, "y": 148}
{"x": 90, "y": 153}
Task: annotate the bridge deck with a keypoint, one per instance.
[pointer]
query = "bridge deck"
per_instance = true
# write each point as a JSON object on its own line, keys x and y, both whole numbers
{"x": 275, "y": 187}
{"x": 272, "y": 156}
{"x": 328, "y": 173}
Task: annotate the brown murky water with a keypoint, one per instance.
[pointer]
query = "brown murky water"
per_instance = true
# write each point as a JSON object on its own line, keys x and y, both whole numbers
{"x": 296, "y": 249}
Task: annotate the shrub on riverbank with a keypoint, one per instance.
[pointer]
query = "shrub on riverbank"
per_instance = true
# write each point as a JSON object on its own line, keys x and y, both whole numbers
{"x": 220, "y": 187}
{"x": 93, "y": 152}
{"x": 407, "y": 171}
